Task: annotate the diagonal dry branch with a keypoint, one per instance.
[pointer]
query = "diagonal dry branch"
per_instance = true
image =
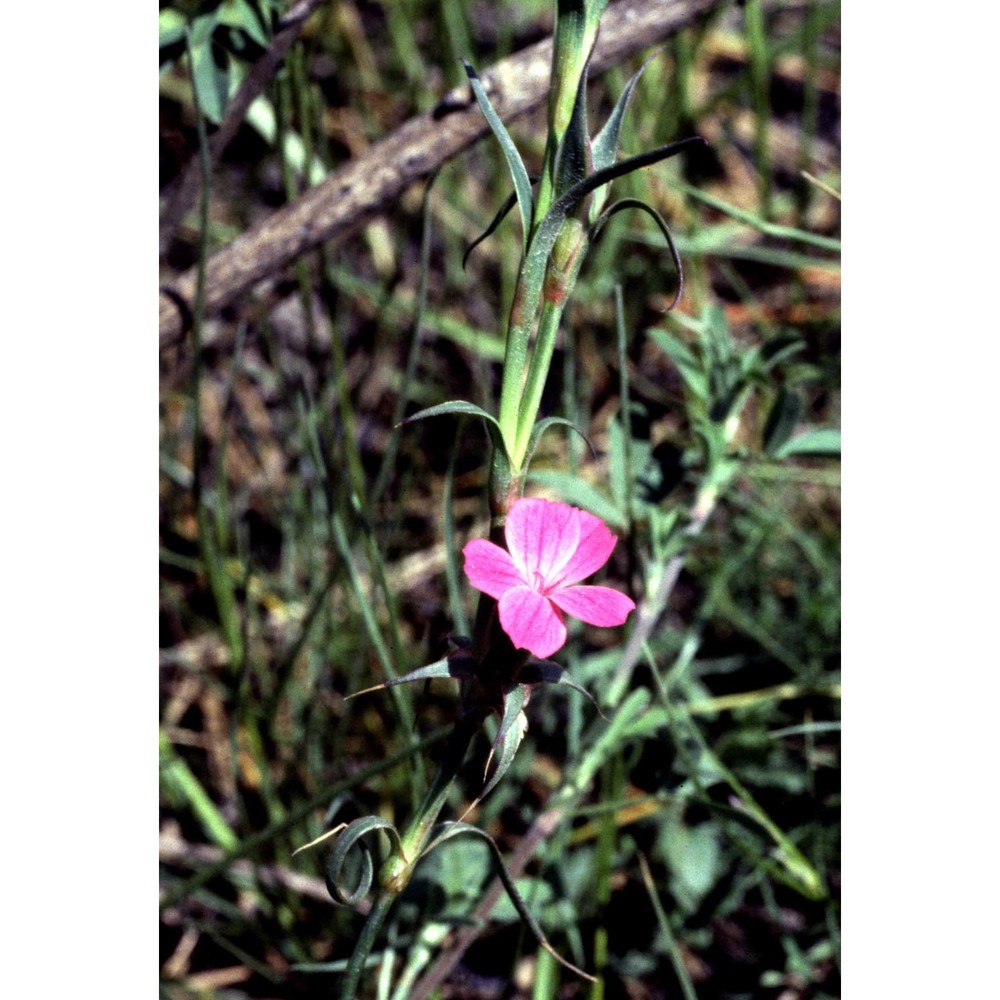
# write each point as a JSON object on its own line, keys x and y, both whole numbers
{"x": 363, "y": 187}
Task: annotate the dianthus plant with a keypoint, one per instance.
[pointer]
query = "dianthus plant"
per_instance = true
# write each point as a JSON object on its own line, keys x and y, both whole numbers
{"x": 531, "y": 570}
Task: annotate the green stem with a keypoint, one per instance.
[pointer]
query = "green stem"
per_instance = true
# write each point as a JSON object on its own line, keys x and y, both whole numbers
{"x": 568, "y": 251}
{"x": 541, "y": 359}
{"x": 575, "y": 34}
{"x": 366, "y": 940}
{"x": 398, "y": 867}
{"x": 514, "y": 362}
{"x": 218, "y": 578}
{"x": 573, "y": 39}
{"x": 417, "y": 832}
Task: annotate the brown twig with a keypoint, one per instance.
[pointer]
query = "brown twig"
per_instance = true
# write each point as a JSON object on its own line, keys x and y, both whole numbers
{"x": 174, "y": 850}
{"x": 364, "y": 186}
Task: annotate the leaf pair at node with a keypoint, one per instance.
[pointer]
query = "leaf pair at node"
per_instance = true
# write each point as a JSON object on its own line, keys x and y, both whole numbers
{"x": 461, "y": 407}
{"x": 513, "y": 697}
{"x": 353, "y": 835}
{"x": 582, "y": 167}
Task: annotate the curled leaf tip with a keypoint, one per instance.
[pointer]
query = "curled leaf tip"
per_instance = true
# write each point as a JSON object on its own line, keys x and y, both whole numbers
{"x": 566, "y": 964}
{"x": 471, "y": 807}
{"x": 320, "y": 839}
{"x": 357, "y": 694}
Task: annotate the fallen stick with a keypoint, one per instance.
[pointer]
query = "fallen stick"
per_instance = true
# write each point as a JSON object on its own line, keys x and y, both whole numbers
{"x": 364, "y": 186}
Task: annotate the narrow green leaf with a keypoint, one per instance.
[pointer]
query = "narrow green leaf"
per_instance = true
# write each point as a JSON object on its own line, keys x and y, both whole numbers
{"x": 451, "y": 570}
{"x": 605, "y": 175}
{"x": 624, "y": 203}
{"x": 171, "y": 28}
{"x": 458, "y": 665}
{"x": 177, "y": 776}
{"x": 497, "y": 219}
{"x": 822, "y": 442}
{"x": 549, "y": 672}
{"x": 785, "y": 413}
{"x": 613, "y": 737}
{"x": 571, "y": 157}
{"x": 210, "y": 77}
{"x": 593, "y": 9}
{"x": 533, "y": 268}
{"x": 202, "y": 28}
{"x": 243, "y": 16}
{"x": 633, "y": 470}
{"x": 756, "y": 222}
{"x": 445, "y": 831}
{"x": 522, "y": 184}
{"x": 542, "y": 426}
{"x": 452, "y": 406}
{"x": 509, "y": 735}
{"x": 620, "y": 472}
{"x": 779, "y": 348}
{"x": 350, "y": 837}
{"x": 605, "y": 144}
{"x": 514, "y": 701}
{"x": 468, "y": 409}
{"x": 718, "y": 335}
{"x": 688, "y": 364}
{"x": 644, "y": 726}
{"x": 506, "y": 752}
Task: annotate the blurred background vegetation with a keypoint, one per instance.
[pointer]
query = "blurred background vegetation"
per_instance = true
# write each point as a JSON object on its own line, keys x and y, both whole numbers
{"x": 309, "y": 547}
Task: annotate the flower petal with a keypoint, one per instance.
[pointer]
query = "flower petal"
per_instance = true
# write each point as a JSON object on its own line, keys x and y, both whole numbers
{"x": 594, "y": 605}
{"x": 592, "y": 551}
{"x": 542, "y": 536}
{"x": 490, "y": 568}
{"x": 531, "y": 621}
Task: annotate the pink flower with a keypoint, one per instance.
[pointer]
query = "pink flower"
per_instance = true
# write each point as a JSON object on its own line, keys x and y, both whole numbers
{"x": 552, "y": 547}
